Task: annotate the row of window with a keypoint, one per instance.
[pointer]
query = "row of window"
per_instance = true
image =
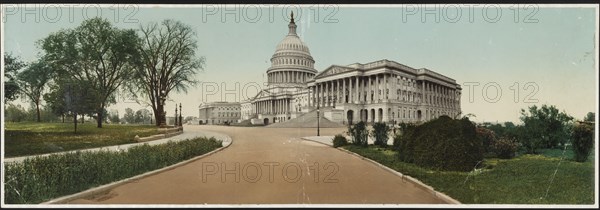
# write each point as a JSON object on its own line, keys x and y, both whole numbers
{"x": 228, "y": 114}
{"x": 228, "y": 108}
{"x": 294, "y": 47}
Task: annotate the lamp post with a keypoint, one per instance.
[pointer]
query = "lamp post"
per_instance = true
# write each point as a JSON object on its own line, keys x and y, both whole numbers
{"x": 175, "y": 122}
{"x": 180, "y": 116}
{"x": 318, "y": 121}
{"x": 163, "y": 117}
{"x": 150, "y": 118}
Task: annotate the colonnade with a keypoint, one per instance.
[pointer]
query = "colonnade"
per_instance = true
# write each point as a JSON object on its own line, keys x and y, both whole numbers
{"x": 376, "y": 88}
{"x": 275, "y": 106}
{"x": 289, "y": 77}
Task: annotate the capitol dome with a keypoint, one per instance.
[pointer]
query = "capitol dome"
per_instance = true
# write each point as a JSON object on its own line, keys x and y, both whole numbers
{"x": 291, "y": 63}
{"x": 292, "y": 43}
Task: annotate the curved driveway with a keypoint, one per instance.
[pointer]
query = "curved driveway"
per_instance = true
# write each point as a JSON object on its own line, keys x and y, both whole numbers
{"x": 261, "y": 167}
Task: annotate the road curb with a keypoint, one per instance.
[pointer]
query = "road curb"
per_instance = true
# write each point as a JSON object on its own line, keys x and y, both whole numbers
{"x": 137, "y": 140}
{"x": 109, "y": 186}
{"x": 412, "y": 180}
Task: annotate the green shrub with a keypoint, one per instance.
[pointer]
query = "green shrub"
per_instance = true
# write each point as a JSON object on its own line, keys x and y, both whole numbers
{"x": 582, "y": 140}
{"x": 339, "y": 140}
{"x": 405, "y": 129}
{"x": 39, "y": 179}
{"x": 380, "y": 133}
{"x": 359, "y": 133}
{"x": 504, "y": 147}
{"x": 442, "y": 144}
{"x": 487, "y": 137}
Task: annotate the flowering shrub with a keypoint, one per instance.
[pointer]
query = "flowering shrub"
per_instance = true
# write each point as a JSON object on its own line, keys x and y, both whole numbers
{"x": 505, "y": 147}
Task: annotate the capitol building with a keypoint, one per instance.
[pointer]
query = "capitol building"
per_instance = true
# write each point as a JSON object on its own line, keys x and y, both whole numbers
{"x": 379, "y": 91}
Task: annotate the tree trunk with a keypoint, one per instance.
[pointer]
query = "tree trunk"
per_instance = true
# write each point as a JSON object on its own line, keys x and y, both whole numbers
{"x": 82, "y": 119}
{"x": 100, "y": 115}
{"x": 159, "y": 114}
{"x": 63, "y": 118}
{"x": 38, "y": 112}
{"x": 156, "y": 117}
{"x": 75, "y": 121}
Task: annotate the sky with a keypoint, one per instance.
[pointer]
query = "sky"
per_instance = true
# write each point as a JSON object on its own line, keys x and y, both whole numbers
{"x": 505, "y": 57}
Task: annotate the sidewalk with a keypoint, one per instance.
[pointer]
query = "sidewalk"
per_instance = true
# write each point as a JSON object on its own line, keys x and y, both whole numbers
{"x": 188, "y": 133}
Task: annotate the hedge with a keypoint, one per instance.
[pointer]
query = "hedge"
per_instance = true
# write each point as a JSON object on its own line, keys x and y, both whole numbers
{"x": 38, "y": 179}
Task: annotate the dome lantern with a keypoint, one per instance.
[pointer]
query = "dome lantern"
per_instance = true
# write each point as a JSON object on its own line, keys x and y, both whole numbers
{"x": 292, "y": 26}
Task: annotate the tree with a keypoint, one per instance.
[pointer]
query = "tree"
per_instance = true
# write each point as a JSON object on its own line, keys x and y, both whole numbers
{"x": 12, "y": 65}
{"x": 380, "y": 133}
{"x": 544, "y": 127}
{"x": 359, "y": 133}
{"x": 188, "y": 118}
{"x": 69, "y": 96}
{"x": 487, "y": 137}
{"x": 590, "y": 117}
{"x": 96, "y": 53}
{"x": 129, "y": 116}
{"x": 113, "y": 116}
{"x": 142, "y": 116}
{"x": 582, "y": 140}
{"x": 14, "y": 113}
{"x": 169, "y": 62}
{"x": 32, "y": 82}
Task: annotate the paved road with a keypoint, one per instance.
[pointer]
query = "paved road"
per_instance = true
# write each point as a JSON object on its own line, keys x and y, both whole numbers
{"x": 327, "y": 175}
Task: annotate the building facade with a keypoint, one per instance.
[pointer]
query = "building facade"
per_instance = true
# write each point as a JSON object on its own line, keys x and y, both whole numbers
{"x": 384, "y": 91}
{"x": 379, "y": 91}
{"x": 216, "y": 113}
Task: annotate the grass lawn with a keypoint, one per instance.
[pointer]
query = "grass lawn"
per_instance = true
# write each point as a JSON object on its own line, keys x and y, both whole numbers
{"x": 29, "y": 138}
{"x": 521, "y": 180}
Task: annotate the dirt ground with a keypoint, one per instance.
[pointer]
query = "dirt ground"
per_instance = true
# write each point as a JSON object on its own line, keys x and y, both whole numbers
{"x": 269, "y": 166}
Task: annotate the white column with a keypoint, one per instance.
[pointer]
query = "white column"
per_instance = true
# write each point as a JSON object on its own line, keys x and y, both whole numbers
{"x": 385, "y": 87}
{"x": 309, "y": 96}
{"x": 369, "y": 89}
{"x": 329, "y": 93}
{"x": 338, "y": 91}
{"x": 356, "y": 90}
{"x": 422, "y": 91}
{"x": 316, "y": 94}
{"x": 344, "y": 90}
{"x": 325, "y": 93}
{"x": 377, "y": 89}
